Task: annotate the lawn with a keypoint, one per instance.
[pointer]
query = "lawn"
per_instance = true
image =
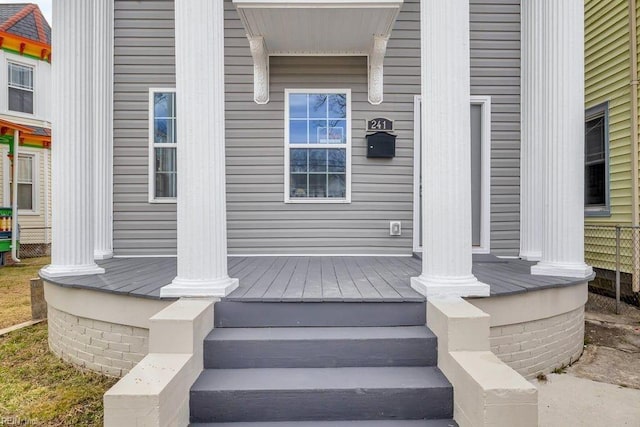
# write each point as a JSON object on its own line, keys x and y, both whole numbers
{"x": 15, "y": 291}
{"x": 37, "y": 388}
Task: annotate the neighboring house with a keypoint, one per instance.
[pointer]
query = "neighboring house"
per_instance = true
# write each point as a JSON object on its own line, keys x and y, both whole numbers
{"x": 25, "y": 107}
{"x": 308, "y": 177}
{"x": 612, "y": 139}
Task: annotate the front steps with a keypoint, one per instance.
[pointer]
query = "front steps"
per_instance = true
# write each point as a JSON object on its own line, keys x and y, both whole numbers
{"x": 319, "y": 370}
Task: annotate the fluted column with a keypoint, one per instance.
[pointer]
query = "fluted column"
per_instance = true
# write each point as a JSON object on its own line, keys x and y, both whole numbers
{"x": 103, "y": 128}
{"x": 532, "y": 147}
{"x": 446, "y": 151}
{"x": 563, "y": 127}
{"x": 72, "y": 132}
{"x": 201, "y": 209}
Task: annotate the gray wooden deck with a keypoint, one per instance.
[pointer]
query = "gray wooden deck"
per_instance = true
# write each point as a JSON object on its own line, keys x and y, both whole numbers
{"x": 311, "y": 279}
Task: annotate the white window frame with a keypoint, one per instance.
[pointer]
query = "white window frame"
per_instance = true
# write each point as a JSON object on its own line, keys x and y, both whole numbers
{"x": 288, "y": 146}
{"x": 35, "y": 184}
{"x": 600, "y": 110}
{"x": 485, "y": 209}
{"x": 153, "y": 146}
{"x": 34, "y": 67}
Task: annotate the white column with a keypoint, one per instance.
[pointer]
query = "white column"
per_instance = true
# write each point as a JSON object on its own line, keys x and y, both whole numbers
{"x": 531, "y": 149}
{"x": 103, "y": 128}
{"x": 201, "y": 210}
{"x": 446, "y": 151}
{"x": 72, "y": 135}
{"x": 563, "y": 125}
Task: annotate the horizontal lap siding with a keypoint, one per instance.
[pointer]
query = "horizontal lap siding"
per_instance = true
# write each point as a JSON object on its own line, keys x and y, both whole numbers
{"x": 144, "y": 58}
{"x": 382, "y": 190}
{"x": 495, "y": 71}
{"x": 607, "y": 76}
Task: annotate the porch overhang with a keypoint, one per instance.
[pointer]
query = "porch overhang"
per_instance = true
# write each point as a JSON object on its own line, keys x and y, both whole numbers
{"x": 318, "y": 28}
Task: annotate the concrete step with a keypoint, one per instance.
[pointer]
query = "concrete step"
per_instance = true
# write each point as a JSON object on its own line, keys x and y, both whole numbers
{"x": 321, "y": 394}
{"x": 229, "y": 348}
{"x": 233, "y": 314}
{"x": 388, "y": 423}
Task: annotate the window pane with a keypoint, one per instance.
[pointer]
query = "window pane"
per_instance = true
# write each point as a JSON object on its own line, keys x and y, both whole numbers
{"x": 595, "y": 140}
{"x": 20, "y": 76}
{"x": 20, "y": 100}
{"x": 165, "y": 159}
{"x": 595, "y": 181}
{"x": 25, "y": 169}
{"x": 164, "y": 131}
{"x": 337, "y": 132}
{"x": 298, "y": 105}
{"x": 298, "y": 160}
{"x": 298, "y": 185}
{"x": 164, "y": 104}
{"x": 25, "y": 196}
{"x": 338, "y": 106}
{"x": 298, "y": 132}
{"x": 317, "y": 160}
{"x": 318, "y": 185}
{"x": 337, "y": 186}
{"x": 317, "y": 106}
{"x": 166, "y": 184}
{"x": 337, "y": 160}
{"x": 318, "y": 131}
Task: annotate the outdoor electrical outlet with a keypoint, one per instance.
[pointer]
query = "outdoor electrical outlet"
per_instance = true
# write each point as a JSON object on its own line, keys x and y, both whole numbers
{"x": 395, "y": 228}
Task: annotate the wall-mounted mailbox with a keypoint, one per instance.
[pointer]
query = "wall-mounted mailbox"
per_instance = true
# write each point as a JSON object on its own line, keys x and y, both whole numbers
{"x": 381, "y": 145}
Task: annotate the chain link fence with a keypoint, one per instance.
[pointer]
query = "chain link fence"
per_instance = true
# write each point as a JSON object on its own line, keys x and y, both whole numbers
{"x": 614, "y": 253}
{"x": 34, "y": 242}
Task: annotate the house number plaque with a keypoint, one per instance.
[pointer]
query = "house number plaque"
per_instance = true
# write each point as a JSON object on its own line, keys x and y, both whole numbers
{"x": 380, "y": 125}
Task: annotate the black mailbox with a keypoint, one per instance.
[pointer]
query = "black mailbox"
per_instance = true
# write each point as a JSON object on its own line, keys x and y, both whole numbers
{"x": 381, "y": 145}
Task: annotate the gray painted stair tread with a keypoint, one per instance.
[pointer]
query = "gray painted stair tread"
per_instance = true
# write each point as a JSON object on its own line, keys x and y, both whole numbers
{"x": 216, "y": 380}
{"x": 370, "y": 423}
{"x": 320, "y": 333}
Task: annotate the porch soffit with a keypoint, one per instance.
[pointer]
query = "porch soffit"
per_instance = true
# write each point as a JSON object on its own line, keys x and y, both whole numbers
{"x": 325, "y": 28}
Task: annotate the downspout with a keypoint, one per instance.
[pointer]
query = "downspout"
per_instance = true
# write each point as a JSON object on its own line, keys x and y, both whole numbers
{"x": 633, "y": 50}
{"x": 14, "y": 201}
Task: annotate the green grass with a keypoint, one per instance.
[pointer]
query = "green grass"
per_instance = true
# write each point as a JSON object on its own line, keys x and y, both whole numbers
{"x": 37, "y": 388}
{"x": 15, "y": 291}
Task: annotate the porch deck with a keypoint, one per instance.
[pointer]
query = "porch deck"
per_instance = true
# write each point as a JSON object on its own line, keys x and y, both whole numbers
{"x": 312, "y": 279}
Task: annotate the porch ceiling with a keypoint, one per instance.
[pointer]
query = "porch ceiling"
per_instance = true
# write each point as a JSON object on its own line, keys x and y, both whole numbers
{"x": 329, "y": 27}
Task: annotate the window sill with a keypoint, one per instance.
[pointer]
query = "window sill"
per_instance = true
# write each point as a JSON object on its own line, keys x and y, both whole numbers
{"x": 163, "y": 201}
{"x": 318, "y": 201}
{"x": 597, "y": 212}
{"x": 28, "y": 213}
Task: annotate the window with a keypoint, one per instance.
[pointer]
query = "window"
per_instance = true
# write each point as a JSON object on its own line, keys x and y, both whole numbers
{"x": 163, "y": 143}
{"x": 20, "y": 85}
{"x": 26, "y": 183}
{"x": 596, "y": 153}
{"x": 317, "y": 145}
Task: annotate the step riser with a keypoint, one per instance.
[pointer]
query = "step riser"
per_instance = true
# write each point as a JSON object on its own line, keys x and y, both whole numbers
{"x": 327, "y": 405}
{"x": 320, "y": 353}
{"x": 230, "y": 314}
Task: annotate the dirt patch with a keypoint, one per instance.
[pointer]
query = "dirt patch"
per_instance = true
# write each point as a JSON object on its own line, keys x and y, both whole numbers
{"x": 612, "y": 345}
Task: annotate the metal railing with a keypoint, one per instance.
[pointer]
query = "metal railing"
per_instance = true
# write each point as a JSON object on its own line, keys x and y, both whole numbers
{"x": 614, "y": 253}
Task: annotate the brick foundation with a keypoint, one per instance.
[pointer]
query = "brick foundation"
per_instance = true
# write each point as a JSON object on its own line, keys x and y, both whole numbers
{"x": 99, "y": 346}
{"x": 540, "y": 346}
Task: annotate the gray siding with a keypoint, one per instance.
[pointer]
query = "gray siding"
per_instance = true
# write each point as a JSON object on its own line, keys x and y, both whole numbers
{"x": 382, "y": 190}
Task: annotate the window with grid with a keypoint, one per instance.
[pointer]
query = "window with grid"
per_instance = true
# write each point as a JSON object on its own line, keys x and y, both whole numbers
{"x": 596, "y": 172}
{"x": 26, "y": 191}
{"x": 163, "y": 142}
{"x": 20, "y": 86}
{"x": 318, "y": 145}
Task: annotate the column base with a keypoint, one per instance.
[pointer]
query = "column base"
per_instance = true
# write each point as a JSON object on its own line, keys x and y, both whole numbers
{"x": 70, "y": 270}
{"x": 466, "y": 286}
{"x": 199, "y": 288}
{"x": 102, "y": 254}
{"x": 577, "y": 270}
{"x": 531, "y": 256}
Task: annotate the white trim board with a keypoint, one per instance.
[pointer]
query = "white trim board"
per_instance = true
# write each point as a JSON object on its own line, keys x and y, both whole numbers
{"x": 485, "y": 210}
